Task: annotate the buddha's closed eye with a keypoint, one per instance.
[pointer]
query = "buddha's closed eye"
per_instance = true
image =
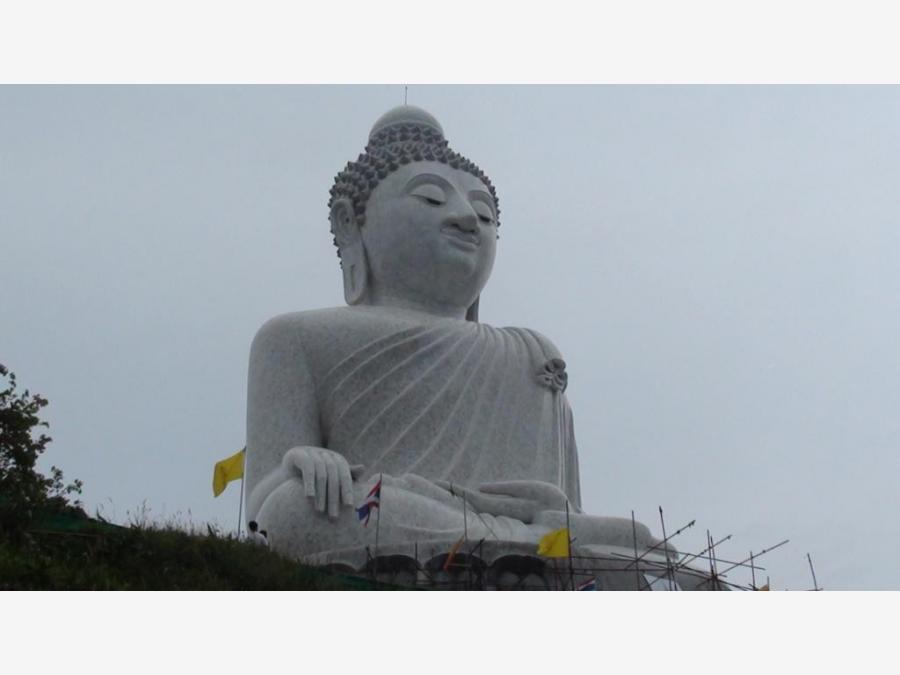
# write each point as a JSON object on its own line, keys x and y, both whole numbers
{"x": 485, "y": 215}
{"x": 430, "y": 194}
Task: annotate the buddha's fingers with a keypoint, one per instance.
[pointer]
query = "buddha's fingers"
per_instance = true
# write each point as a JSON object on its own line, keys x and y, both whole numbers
{"x": 321, "y": 483}
{"x": 512, "y": 507}
{"x": 357, "y": 470}
{"x": 546, "y": 494}
{"x": 346, "y": 482}
{"x": 304, "y": 462}
{"x": 334, "y": 487}
{"x": 501, "y": 505}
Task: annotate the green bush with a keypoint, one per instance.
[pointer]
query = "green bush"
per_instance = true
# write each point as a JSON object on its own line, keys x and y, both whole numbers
{"x": 47, "y": 542}
{"x": 71, "y": 553}
{"x": 24, "y": 492}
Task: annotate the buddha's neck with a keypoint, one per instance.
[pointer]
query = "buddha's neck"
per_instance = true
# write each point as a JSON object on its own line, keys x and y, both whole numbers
{"x": 384, "y": 298}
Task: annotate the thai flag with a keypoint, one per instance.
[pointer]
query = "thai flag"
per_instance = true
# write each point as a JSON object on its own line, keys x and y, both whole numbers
{"x": 589, "y": 585}
{"x": 373, "y": 501}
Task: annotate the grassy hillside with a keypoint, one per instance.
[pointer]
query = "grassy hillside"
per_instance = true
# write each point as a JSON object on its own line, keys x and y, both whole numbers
{"x": 69, "y": 553}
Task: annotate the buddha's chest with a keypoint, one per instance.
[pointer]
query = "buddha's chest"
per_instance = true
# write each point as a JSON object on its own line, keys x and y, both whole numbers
{"x": 433, "y": 400}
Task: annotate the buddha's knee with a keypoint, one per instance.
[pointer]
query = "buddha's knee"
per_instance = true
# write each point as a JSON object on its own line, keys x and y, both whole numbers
{"x": 602, "y": 530}
{"x": 295, "y": 528}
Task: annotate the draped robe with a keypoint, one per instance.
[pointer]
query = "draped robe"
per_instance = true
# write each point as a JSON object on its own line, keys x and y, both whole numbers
{"x": 455, "y": 401}
{"x": 417, "y": 400}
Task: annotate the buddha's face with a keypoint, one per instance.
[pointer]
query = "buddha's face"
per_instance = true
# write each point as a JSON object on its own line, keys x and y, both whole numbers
{"x": 430, "y": 236}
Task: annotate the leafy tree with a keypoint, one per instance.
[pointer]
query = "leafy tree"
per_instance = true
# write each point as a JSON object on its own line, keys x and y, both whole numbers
{"x": 24, "y": 491}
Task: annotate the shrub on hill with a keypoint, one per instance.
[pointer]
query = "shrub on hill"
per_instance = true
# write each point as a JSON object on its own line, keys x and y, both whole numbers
{"x": 24, "y": 491}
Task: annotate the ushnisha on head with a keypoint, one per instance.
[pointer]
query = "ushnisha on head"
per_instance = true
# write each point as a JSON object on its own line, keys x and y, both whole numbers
{"x": 402, "y": 135}
{"x": 414, "y": 222}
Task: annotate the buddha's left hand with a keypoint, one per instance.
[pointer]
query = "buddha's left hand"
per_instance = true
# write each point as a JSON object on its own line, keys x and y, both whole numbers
{"x": 546, "y": 495}
{"x": 519, "y": 499}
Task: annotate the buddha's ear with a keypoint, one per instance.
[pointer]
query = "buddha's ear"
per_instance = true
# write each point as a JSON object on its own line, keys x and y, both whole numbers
{"x": 348, "y": 238}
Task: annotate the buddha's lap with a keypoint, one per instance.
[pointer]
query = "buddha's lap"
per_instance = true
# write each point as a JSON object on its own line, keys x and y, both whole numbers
{"x": 296, "y": 527}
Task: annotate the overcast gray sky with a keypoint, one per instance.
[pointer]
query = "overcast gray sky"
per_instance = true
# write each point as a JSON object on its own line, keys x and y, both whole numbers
{"x": 718, "y": 266}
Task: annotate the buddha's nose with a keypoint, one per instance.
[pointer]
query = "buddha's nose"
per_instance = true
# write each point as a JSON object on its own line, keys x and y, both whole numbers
{"x": 466, "y": 222}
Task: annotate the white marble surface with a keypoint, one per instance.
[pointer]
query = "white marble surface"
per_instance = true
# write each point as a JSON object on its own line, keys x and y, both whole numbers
{"x": 468, "y": 425}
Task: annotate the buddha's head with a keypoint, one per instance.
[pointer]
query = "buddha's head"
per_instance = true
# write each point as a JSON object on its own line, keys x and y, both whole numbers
{"x": 415, "y": 223}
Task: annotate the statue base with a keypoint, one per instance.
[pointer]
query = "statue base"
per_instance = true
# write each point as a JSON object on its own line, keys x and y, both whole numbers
{"x": 500, "y": 565}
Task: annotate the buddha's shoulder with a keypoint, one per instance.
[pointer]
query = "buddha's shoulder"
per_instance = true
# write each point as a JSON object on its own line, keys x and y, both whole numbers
{"x": 341, "y": 329}
{"x": 531, "y": 336}
{"x": 290, "y": 322}
{"x": 328, "y": 326}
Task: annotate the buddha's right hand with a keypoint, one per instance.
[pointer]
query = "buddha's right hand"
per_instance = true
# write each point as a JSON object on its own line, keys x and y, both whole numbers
{"x": 327, "y": 477}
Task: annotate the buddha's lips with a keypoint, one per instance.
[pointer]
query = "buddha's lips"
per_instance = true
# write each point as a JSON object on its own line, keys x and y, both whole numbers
{"x": 467, "y": 240}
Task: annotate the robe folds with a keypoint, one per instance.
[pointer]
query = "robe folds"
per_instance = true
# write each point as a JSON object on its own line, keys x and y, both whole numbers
{"x": 418, "y": 401}
{"x": 455, "y": 401}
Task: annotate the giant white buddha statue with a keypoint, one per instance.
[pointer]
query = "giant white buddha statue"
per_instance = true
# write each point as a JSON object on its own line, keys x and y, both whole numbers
{"x": 467, "y": 425}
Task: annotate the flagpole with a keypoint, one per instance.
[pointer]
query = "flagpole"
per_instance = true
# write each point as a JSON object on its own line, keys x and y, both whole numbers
{"x": 377, "y": 526}
{"x": 569, "y": 548}
{"x": 465, "y": 520}
{"x": 637, "y": 571}
{"x": 815, "y": 583}
{"x": 466, "y": 539}
{"x": 240, "y": 507}
{"x": 670, "y": 575}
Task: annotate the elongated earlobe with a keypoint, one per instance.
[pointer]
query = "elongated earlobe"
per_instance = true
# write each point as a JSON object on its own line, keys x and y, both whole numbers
{"x": 354, "y": 265}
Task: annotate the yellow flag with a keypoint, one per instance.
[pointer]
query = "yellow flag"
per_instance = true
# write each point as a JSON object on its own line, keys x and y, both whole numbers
{"x": 228, "y": 470}
{"x": 554, "y": 544}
